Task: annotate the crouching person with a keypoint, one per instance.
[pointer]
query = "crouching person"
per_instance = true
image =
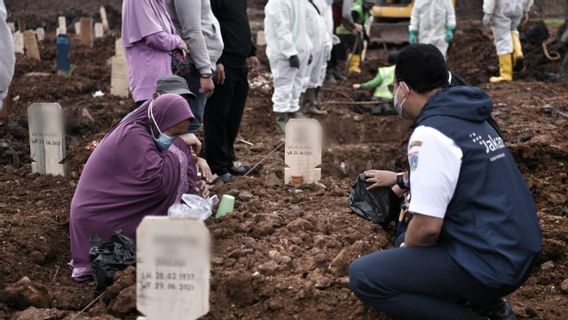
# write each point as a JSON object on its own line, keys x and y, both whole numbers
{"x": 474, "y": 234}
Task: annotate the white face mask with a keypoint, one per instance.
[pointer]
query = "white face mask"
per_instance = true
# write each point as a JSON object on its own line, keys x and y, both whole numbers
{"x": 398, "y": 105}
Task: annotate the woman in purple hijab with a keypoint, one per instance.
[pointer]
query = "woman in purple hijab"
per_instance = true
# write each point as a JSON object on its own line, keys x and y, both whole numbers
{"x": 140, "y": 168}
{"x": 148, "y": 37}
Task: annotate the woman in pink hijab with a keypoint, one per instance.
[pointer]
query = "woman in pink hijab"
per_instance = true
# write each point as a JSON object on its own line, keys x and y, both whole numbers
{"x": 148, "y": 37}
{"x": 140, "y": 168}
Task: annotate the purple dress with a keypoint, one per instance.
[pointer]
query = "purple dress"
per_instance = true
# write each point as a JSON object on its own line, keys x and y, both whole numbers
{"x": 127, "y": 178}
{"x": 148, "y": 37}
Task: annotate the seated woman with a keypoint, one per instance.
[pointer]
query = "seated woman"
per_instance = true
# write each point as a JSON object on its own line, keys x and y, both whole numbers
{"x": 140, "y": 168}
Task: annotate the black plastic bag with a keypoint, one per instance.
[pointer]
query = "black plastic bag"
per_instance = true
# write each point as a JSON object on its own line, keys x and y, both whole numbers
{"x": 380, "y": 205}
{"x": 108, "y": 257}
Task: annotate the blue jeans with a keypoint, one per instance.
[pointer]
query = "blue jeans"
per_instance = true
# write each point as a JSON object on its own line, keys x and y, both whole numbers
{"x": 419, "y": 283}
{"x": 197, "y": 105}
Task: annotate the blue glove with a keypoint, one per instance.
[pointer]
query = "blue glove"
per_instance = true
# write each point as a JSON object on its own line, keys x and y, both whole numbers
{"x": 449, "y": 34}
{"x": 413, "y": 39}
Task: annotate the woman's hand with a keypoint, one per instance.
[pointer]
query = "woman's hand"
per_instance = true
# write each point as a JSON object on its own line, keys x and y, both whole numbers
{"x": 192, "y": 141}
{"x": 203, "y": 167}
{"x": 380, "y": 178}
{"x": 203, "y": 188}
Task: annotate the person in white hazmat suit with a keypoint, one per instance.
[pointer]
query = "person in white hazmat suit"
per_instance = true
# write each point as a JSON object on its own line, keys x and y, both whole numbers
{"x": 319, "y": 19}
{"x": 433, "y": 22}
{"x": 288, "y": 49}
{"x": 504, "y": 17}
{"x": 7, "y": 56}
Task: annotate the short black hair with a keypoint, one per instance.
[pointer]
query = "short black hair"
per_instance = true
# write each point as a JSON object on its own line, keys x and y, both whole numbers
{"x": 391, "y": 59}
{"x": 422, "y": 67}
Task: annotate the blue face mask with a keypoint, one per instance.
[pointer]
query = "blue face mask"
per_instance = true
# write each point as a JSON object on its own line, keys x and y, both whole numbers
{"x": 163, "y": 142}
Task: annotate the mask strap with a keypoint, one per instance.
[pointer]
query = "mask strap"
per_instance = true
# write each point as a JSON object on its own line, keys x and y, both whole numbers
{"x": 151, "y": 116}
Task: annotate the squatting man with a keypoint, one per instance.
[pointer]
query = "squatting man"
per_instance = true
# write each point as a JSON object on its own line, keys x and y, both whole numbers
{"x": 473, "y": 235}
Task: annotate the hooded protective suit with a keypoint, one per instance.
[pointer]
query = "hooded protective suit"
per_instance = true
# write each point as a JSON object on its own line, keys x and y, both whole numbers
{"x": 286, "y": 36}
{"x": 7, "y": 57}
{"x": 431, "y": 19}
{"x": 319, "y": 20}
{"x": 506, "y": 16}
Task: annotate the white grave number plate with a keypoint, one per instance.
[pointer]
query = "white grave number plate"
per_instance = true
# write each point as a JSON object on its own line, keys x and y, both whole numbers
{"x": 172, "y": 270}
{"x": 303, "y": 150}
{"x": 47, "y": 138}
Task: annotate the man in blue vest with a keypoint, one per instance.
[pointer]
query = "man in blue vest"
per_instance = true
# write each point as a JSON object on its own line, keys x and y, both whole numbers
{"x": 474, "y": 235}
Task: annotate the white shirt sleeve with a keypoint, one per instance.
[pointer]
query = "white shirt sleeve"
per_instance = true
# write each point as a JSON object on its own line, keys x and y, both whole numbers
{"x": 435, "y": 162}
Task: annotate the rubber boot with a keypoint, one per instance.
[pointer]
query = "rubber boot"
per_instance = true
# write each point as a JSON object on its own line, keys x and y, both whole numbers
{"x": 354, "y": 62}
{"x": 505, "y": 69}
{"x": 518, "y": 57}
{"x": 310, "y": 103}
{"x": 281, "y": 120}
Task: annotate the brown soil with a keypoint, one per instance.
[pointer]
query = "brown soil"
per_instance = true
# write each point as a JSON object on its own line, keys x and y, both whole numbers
{"x": 284, "y": 252}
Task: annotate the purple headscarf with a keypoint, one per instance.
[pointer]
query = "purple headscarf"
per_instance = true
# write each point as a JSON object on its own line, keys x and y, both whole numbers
{"x": 127, "y": 178}
{"x": 141, "y": 18}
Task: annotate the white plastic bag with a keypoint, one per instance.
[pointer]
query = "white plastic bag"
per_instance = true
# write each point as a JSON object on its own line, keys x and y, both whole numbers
{"x": 193, "y": 206}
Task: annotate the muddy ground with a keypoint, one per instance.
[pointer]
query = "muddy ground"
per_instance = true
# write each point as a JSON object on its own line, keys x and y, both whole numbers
{"x": 299, "y": 240}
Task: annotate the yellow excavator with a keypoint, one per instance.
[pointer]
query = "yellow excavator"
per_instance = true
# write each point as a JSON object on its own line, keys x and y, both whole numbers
{"x": 391, "y": 19}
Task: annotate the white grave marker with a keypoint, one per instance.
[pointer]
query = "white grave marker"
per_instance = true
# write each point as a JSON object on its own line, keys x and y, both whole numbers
{"x": 118, "y": 49}
{"x": 40, "y": 34}
{"x": 47, "y": 138}
{"x": 119, "y": 77}
{"x": 303, "y": 150}
{"x": 172, "y": 268}
{"x": 104, "y": 18}
{"x": 99, "y": 30}
{"x": 18, "y": 42}
{"x": 12, "y": 27}
{"x": 62, "y": 23}
{"x": 30, "y": 44}
{"x": 260, "y": 38}
{"x": 77, "y": 27}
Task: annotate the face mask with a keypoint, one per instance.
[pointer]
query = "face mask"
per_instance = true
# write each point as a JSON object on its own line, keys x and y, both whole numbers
{"x": 164, "y": 141}
{"x": 397, "y": 105}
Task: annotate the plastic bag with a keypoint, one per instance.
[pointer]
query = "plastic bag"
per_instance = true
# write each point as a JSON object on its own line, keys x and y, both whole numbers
{"x": 108, "y": 257}
{"x": 380, "y": 205}
{"x": 194, "y": 207}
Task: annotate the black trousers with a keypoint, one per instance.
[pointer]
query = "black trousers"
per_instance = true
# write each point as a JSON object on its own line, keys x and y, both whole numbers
{"x": 419, "y": 283}
{"x": 222, "y": 119}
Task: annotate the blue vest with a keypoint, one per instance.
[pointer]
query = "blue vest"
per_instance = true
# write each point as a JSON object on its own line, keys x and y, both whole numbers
{"x": 490, "y": 227}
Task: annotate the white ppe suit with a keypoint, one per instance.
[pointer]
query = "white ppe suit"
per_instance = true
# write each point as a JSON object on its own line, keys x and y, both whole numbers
{"x": 319, "y": 19}
{"x": 7, "y": 56}
{"x": 286, "y": 35}
{"x": 431, "y": 18}
{"x": 506, "y": 16}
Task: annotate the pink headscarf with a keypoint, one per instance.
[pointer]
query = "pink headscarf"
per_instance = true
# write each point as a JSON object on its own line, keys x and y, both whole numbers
{"x": 141, "y": 18}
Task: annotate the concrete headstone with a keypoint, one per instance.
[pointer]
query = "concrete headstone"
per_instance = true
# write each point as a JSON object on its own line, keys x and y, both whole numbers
{"x": 62, "y": 23}
{"x": 18, "y": 42}
{"x": 99, "y": 30}
{"x": 87, "y": 34}
{"x": 104, "y": 18}
{"x": 40, "y": 34}
{"x": 12, "y": 27}
{"x": 303, "y": 150}
{"x": 260, "y": 38}
{"x": 77, "y": 27}
{"x": 47, "y": 138}
{"x": 119, "y": 77}
{"x": 173, "y": 268}
{"x": 30, "y": 44}
{"x": 118, "y": 49}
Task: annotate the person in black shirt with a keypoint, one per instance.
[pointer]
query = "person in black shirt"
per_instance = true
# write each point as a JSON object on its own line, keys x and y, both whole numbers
{"x": 225, "y": 107}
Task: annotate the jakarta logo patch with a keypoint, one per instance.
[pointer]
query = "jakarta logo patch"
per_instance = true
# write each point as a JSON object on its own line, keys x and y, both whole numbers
{"x": 413, "y": 160}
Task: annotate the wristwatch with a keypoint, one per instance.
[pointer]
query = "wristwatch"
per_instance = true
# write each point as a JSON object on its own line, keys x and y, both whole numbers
{"x": 400, "y": 182}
